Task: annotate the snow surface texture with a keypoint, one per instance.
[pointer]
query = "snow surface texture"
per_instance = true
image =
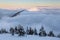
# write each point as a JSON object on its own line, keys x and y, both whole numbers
{"x": 28, "y": 37}
{"x": 49, "y": 18}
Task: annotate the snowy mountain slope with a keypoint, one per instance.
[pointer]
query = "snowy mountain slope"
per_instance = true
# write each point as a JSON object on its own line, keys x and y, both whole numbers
{"x": 7, "y": 13}
{"x": 33, "y": 19}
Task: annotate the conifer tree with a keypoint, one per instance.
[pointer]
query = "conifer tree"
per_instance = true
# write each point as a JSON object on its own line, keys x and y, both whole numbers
{"x": 12, "y": 31}
{"x": 3, "y": 31}
{"x": 27, "y": 31}
{"x": 51, "y": 34}
{"x": 30, "y": 31}
{"x": 42, "y": 32}
{"x": 58, "y": 35}
{"x": 35, "y": 32}
{"x": 16, "y": 30}
{"x": 21, "y": 31}
{"x": 0, "y": 31}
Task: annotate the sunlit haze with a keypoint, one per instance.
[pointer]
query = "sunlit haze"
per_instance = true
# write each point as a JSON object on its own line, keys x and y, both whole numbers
{"x": 16, "y": 4}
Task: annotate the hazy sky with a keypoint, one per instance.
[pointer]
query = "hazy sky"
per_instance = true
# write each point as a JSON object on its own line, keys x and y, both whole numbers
{"x": 12, "y": 4}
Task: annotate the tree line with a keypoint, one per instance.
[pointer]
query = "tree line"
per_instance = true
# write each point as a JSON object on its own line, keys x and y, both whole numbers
{"x": 29, "y": 31}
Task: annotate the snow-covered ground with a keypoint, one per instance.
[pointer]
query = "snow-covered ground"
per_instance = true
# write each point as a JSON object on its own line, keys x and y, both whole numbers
{"x": 28, "y": 37}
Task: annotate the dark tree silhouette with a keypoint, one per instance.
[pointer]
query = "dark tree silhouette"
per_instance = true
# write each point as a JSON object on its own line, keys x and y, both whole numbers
{"x": 3, "y": 31}
{"x": 27, "y": 31}
{"x": 12, "y": 31}
{"x": 35, "y": 32}
{"x": 21, "y": 31}
{"x": 0, "y": 31}
{"x": 42, "y": 32}
{"x": 51, "y": 34}
{"x": 58, "y": 35}
{"x": 30, "y": 31}
{"x": 16, "y": 30}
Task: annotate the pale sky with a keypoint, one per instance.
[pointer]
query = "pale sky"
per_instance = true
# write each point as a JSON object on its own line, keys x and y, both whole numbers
{"x": 13, "y": 4}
